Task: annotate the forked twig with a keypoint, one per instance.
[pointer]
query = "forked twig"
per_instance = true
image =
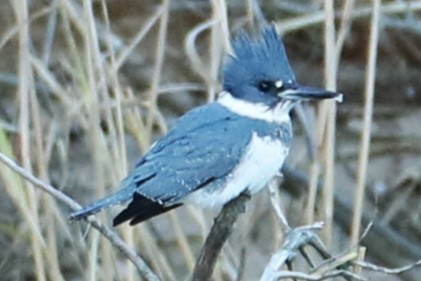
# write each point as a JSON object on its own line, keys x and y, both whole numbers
{"x": 294, "y": 240}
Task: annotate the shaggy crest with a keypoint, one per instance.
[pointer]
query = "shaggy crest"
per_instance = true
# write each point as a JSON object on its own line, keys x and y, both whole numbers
{"x": 263, "y": 57}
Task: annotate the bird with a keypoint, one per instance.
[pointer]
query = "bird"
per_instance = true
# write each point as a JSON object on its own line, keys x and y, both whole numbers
{"x": 219, "y": 150}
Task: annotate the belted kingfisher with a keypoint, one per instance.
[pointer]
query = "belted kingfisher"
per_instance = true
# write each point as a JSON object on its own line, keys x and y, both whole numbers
{"x": 219, "y": 150}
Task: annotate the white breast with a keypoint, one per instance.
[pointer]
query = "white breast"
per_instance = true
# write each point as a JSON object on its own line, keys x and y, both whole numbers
{"x": 262, "y": 161}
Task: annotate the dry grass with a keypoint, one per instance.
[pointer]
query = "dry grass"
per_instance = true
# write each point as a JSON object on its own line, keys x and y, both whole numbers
{"x": 87, "y": 87}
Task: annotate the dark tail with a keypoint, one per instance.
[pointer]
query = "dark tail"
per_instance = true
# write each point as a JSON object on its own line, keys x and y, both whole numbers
{"x": 141, "y": 209}
{"x": 114, "y": 199}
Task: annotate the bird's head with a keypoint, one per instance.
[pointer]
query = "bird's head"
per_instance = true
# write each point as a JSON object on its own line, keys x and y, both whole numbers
{"x": 258, "y": 71}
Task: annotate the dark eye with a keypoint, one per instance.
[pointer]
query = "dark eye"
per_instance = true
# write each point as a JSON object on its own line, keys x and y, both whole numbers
{"x": 266, "y": 86}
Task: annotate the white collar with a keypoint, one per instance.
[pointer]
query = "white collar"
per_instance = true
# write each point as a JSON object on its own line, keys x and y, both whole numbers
{"x": 278, "y": 113}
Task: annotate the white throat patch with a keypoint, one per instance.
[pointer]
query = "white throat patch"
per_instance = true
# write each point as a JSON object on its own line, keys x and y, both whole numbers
{"x": 278, "y": 114}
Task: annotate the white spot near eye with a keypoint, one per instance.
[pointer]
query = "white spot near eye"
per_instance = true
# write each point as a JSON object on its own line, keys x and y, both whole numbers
{"x": 279, "y": 84}
{"x": 339, "y": 98}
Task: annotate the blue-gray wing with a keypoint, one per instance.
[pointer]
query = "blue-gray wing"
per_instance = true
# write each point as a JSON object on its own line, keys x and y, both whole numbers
{"x": 204, "y": 146}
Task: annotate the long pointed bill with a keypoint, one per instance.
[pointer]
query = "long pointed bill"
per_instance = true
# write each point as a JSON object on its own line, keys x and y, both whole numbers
{"x": 310, "y": 93}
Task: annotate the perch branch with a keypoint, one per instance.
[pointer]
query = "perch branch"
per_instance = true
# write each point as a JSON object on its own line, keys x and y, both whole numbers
{"x": 219, "y": 233}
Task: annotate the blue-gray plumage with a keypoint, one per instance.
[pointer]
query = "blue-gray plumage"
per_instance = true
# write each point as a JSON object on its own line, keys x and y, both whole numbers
{"x": 217, "y": 151}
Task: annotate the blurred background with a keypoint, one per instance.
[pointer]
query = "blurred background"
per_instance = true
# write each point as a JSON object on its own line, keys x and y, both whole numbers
{"x": 87, "y": 86}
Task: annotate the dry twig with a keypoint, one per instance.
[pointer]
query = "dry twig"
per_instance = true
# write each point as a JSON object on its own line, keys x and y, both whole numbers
{"x": 317, "y": 277}
{"x": 110, "y": 235}
{"x": 386, "y": 270}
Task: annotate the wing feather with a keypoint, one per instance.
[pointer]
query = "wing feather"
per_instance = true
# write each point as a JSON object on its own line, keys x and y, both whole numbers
{"x": 191, "y": 155}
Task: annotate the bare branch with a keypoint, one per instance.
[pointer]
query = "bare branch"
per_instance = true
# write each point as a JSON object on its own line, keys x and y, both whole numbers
{"x": 275, "y": 200}
{"x": 386, "y": 270}
{"x": 317, "y": 277}
{"x": 110, "y": 235}
{"x": 219, "y": 233}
